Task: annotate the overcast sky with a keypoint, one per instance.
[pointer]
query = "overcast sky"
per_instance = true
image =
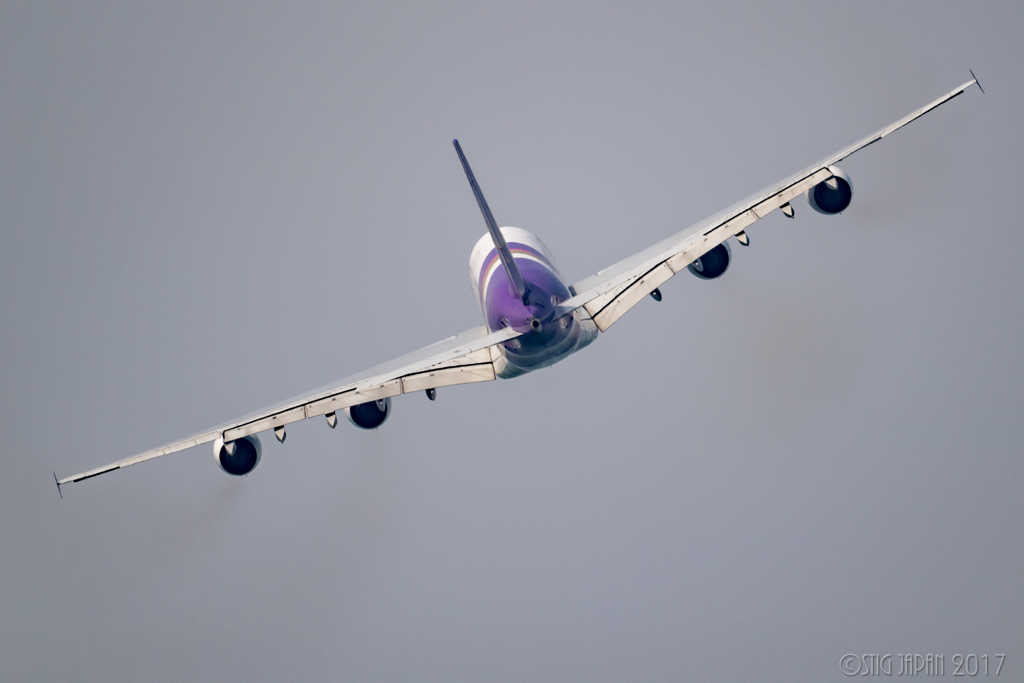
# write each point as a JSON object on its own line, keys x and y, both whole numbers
{"x": 206, "y": 209}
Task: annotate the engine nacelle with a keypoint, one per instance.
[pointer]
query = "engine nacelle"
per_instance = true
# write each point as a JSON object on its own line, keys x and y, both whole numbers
{"x": 240, "y": 456}
{"x": 833, "y": 195}
{"x": 369, "y": 415}
{"x": 712, "y": 264}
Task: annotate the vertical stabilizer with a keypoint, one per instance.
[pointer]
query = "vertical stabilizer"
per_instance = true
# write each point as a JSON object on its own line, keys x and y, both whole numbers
{"x": 499, "y": 240}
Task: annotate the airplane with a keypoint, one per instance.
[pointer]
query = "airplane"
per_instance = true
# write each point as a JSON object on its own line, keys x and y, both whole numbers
{"x": 532, "y": 317}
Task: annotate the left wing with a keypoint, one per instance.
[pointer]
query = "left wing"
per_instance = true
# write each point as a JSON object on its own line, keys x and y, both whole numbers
{"x": 607, "y": 295}
{"x": 464, "y": 358}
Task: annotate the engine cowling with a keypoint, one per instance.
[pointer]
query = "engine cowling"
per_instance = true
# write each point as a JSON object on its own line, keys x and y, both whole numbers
{"x": 712, "y": 264}
{"x": 369, "y": 415}
{"x": 240, "y": 456}
{"x": 831, "y": 196}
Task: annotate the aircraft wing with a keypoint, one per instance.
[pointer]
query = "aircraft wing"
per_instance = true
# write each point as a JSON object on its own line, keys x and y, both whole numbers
{"x": 607, "y": 295}
{"x": 466, "y": 357}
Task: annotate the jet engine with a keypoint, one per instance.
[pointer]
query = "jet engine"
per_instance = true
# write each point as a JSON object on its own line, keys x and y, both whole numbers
{"x": 369, "y": 415}
{"x": 833, "y": 195}
{"x": 712, "y": 264}
{"x": 240, "y": 456}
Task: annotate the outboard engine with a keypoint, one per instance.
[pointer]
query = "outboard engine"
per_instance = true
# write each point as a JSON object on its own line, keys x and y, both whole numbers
{"x": 712, "y": 264}
{"x": 833, "y": 195}
{"x": 240, "y": 456}
{"x": 369, "y": 415}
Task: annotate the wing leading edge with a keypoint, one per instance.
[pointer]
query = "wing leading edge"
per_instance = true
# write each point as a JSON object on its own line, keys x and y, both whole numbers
{"x": 462, "y": 359}
{"x": 608, "y": 294}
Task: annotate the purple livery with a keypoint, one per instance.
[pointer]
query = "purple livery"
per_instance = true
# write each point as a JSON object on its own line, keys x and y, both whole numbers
{"x": 522, "y": 294}
{"x": 550, "y": 339}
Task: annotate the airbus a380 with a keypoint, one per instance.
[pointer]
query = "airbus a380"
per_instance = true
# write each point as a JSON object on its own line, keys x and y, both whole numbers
{"x": 532, "y": 317}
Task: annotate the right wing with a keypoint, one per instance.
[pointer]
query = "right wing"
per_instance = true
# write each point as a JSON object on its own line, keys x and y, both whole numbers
{"x": 464, "y": 358}
{"x": 607, "y": 295}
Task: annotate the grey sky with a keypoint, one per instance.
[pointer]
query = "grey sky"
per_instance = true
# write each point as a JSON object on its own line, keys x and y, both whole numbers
{"x": 204, "y": 210}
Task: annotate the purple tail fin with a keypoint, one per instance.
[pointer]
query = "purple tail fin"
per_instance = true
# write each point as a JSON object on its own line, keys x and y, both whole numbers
{"x": 499, "y": 240}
